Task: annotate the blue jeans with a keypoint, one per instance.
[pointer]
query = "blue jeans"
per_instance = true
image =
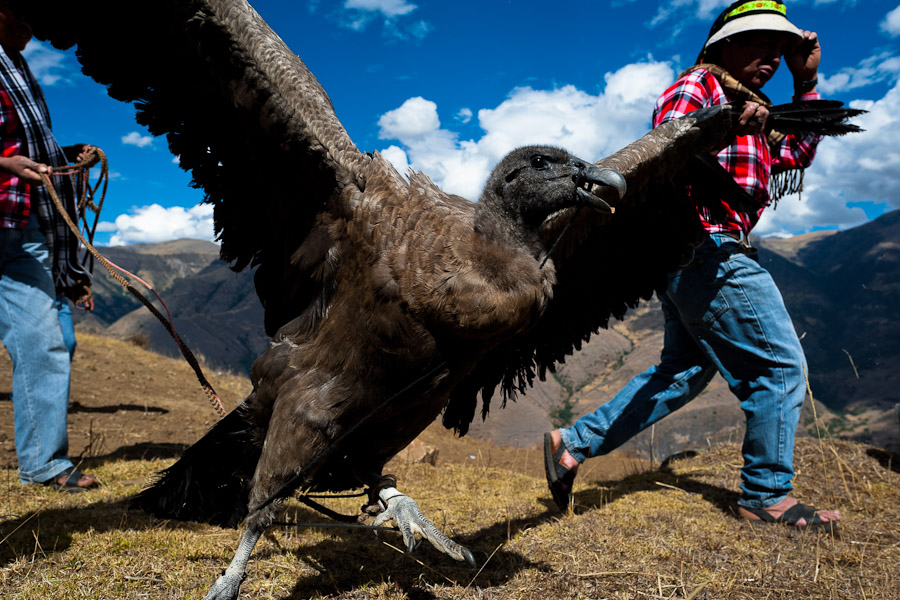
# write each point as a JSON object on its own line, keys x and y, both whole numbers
{"x": 30, "y": 331}
{"x": 723, "y": 313}
{"x": 67, "y": 324}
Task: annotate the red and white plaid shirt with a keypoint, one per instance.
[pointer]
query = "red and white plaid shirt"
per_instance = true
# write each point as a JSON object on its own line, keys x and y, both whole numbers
{"x": 15, "y": 197}
{"x": 749, "y": 159}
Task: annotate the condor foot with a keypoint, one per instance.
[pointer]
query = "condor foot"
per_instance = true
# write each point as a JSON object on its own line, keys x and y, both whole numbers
{"x": 409, "y": 518}
{"x": 227, "y": 586}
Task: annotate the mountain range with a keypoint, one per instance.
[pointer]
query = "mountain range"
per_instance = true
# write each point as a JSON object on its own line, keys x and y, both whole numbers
{"x": 842, "y": 290}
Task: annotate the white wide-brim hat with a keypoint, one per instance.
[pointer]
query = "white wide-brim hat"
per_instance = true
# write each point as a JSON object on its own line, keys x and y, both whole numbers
{"x": 754, "y": 16}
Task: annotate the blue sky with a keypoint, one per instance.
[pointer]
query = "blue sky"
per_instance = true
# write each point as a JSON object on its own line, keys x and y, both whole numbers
{"x": 449, "y": 87}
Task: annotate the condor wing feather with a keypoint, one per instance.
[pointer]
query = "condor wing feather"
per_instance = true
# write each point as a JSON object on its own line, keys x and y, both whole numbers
{"x": 240, "y": 110}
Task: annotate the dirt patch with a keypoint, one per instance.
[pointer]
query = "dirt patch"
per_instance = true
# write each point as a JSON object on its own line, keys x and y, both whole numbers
{"x": 126, "y": 402}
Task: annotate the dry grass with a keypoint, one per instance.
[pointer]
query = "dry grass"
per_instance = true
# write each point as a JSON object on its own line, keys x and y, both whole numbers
{"x": 658, "y": 534}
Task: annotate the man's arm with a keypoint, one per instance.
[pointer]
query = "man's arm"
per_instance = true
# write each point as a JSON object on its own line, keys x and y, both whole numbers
{"x": 696, "y": 90}
{"x": 701, "y": 89}
{"x": 803, "y": 60}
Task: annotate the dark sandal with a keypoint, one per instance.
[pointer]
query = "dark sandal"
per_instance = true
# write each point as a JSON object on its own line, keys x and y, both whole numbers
{"x": 70, "y": 483}
{"x": 791, "y": 516}
{"x": 559, "y": 478}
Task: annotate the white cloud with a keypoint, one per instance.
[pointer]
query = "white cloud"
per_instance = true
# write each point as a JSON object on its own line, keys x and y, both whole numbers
{"x": 710, "y": 8}
{"x": 860, "y": 167}
{"x": 590, "y": 126}
{"x": 857, "y": 168}
{"x": 397, "y": 157}
{"x": 357, "y": 14}
{"x": 136, "y": 139}
{"x": 687, "y": 10}
{"x": 113, "y": 175}
{"x": 414, "y": 118}
{"x": 679, "y": 13}
{"x": 46, "y": 63}
{"x": 874, "y": 69}
{"x": 105, "y": 227}
{"x": 153, "y": 223}
{"x": 389, "y": 8}
{"x": 891, "y": 23}
{"x": 464, "y": 115}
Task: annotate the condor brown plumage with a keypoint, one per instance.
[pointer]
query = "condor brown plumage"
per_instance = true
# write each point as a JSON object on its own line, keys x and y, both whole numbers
{"x": 388, "y": 300}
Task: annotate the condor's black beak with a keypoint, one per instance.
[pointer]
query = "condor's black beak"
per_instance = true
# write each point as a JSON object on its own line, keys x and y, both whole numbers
{"x": 591, "y": 182}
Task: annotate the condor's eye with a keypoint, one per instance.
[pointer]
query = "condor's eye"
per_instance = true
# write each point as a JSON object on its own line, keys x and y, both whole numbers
{"x": 539, "y": 162}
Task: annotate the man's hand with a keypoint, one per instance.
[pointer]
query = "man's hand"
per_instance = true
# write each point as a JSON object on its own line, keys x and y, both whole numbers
{"x": 24, "y": 168}
{"x": 85, "y": 303}
{"x": 804, "y": 56}
{"x": 83, "y": 155}
{"x": 752, "y": 119}
{"x": 84, "y": 297}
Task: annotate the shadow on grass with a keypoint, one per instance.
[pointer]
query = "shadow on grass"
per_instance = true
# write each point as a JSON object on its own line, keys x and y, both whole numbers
{"x": 114, "y": 408}
{"x": 141, "y": 451}
{"x": 51, "y": 530}
{"x": 887, "y": 459}
{"x": 353, "y": 559}
{"x": 723, "y": 499}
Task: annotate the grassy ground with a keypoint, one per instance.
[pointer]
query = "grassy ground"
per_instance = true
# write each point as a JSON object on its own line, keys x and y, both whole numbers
{"x": 667, "y": 533}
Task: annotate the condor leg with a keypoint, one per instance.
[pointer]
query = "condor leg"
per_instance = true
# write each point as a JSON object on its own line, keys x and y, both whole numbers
{"x": 227, "y": 586}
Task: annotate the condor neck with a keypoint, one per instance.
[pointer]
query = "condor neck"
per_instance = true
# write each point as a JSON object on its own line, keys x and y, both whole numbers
{"x": 507, "y": 229}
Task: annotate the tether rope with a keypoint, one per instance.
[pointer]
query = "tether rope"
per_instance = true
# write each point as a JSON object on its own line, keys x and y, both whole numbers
{"x": 82, "y": 169}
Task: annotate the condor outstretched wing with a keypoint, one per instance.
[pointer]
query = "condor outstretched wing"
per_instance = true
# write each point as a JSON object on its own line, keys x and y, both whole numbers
{"x": 240, "y": 110}
{"x": 606, "y": 264}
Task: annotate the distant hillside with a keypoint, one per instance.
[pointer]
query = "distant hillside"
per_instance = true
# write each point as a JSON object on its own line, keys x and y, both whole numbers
{"x": 842, "y": 289}
{"x": 216, "y": 310}
{"x": 843, "y": 292}
{"x": 161, "y": 265}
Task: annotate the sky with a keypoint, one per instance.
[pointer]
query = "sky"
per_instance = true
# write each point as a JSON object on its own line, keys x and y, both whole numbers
{"x": 448, "y": 88}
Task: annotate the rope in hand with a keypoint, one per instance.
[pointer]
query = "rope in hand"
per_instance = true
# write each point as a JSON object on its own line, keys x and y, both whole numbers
{"x": 85, "y": 202}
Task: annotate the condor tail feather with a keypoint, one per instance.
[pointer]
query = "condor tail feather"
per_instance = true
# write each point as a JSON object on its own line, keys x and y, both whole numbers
{"x": 210, "y": 482}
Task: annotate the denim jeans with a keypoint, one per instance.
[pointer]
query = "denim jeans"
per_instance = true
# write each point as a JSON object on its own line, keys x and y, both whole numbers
{"x": 30, "y": 331}
{"x": 723, "y": 313}
{"x": 67, "y": 324}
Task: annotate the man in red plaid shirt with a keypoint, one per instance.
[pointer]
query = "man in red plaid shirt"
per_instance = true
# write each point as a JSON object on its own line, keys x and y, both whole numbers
{"x": 723, "y": 313}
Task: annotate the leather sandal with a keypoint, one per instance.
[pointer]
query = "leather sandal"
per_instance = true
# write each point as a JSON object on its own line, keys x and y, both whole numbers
{"x": 559, "y": 478}
{"x": 68, "y": 481}
{"x": 791, "y": 517}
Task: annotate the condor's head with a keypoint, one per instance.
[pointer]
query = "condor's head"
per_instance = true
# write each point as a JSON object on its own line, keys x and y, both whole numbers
{"x": 534, "y": 182}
